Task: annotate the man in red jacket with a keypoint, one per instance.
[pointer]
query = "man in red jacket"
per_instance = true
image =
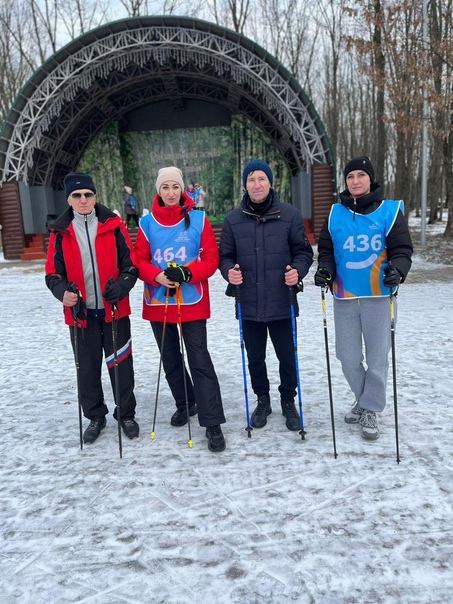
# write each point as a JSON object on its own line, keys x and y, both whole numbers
{"x": 90, "y": 251}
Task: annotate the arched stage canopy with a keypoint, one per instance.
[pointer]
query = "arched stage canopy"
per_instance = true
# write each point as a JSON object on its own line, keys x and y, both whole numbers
{"x": 154, "y": 72}
{"x": 105, "y": 74}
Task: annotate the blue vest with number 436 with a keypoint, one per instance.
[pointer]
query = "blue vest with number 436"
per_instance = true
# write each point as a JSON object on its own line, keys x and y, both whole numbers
{"x": 359, "y": 248}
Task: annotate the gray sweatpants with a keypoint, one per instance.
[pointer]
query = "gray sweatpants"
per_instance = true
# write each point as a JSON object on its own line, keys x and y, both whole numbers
{"x": 362, "y": 325}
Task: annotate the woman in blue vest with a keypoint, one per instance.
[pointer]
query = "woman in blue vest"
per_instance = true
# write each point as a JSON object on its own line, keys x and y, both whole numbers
{"x": 364, "y": 252}
{"x": 176, "y": 254}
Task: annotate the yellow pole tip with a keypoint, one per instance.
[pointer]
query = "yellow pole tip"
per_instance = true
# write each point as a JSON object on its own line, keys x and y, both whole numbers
{"x": 153, "y": 434}
{"x": 190, "y": 443}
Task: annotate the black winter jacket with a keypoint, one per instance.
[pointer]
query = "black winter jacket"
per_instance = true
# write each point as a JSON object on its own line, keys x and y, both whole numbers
{"x": 263, "y": 246}
{"x": 398, "y": 241}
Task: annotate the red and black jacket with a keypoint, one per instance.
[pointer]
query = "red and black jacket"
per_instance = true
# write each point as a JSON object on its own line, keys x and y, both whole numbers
{"x": 114, "y": 254}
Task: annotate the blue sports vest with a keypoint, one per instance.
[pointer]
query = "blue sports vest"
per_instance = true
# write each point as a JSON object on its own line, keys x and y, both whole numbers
{"x": 173, "y": 243}
{"x": 359, "y": 247}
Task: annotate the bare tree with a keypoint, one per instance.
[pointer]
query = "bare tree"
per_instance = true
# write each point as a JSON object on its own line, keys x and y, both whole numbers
{"x": 285, "y": 25}
{"x": 330, "y": 18}
{"x": 135, "y": 8}
{"x": 440, "y": 55}
{"x": 44, "y": 21}
{"x": 379, "y": 69}
{"x": 17, "y": 52}
{"x": 231, "y": 13}
{"x": 79, "y": 16}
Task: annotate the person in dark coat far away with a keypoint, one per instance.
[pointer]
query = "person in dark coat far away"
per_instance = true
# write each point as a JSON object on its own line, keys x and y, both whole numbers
{"x": 264, "y": 250}
{"x": 364, "y": 253}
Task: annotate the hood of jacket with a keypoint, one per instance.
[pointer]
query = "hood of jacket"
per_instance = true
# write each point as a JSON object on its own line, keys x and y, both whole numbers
{"x": 272, "y": 205}
{"x": 64, "y": 220}
{"x": 367, "y": 203}
{"x": 172, "y": 214}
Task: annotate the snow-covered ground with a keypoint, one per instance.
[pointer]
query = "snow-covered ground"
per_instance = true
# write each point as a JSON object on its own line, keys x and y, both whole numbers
{"x": 273, "y": 519}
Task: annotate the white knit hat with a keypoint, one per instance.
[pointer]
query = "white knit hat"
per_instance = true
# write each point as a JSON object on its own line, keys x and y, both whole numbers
{"x": 169, "y": 174}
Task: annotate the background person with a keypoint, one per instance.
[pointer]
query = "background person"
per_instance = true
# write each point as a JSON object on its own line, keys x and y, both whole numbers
{"x": 173, "y": 233}
{"x": 88, "y": 246}
{"x": 130, "y": 207}
{"x": 190, "y": 191}
{"x": 364, "y": 251}
{"x": 264, "y": 249}
{"x": 199, "y": 196}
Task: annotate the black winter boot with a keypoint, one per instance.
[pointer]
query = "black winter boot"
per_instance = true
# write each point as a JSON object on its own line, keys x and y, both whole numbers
{"x": 216, "y": 441}
{"x": 263, "y": 409}
{"x": 290, "y": 412}
{"x": 94, "y": 429}
{"x": 130, "y": 428}
{"x": 179, "y": 417}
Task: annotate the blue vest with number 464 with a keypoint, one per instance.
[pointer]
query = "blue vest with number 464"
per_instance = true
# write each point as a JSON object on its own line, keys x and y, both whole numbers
{"x": 173, "y": 243}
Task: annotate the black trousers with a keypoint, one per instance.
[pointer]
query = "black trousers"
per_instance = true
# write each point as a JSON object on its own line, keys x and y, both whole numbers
{"x": 93, "y": 341}
{"x": 134, "y": 218}
{"x": 202, "y": 383}
{"x": 255, "y": 340}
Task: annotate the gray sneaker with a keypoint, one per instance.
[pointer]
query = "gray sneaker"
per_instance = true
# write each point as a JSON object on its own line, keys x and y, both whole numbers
{"x": 370, "y": 428}
{"x": 353, "y": 416}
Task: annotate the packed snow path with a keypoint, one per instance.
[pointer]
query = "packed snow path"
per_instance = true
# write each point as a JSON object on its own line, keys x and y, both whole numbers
{"x": 273, "y": 519}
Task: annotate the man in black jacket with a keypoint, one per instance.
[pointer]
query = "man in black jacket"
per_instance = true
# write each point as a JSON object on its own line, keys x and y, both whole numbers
{"x": 264, "y": 250}
{"x": 364, "y": 253}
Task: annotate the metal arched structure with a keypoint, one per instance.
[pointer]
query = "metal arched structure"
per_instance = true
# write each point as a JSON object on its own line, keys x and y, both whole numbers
{"x": 129, "y": 70}
{"x": 136, "y": 62}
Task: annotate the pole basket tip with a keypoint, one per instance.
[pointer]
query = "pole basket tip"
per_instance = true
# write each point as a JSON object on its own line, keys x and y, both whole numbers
{"x": 249, "y": 431}
{"x": 153, "y": 435}
{"x": 302, "y": 434}
{"x": 190, "y": 443}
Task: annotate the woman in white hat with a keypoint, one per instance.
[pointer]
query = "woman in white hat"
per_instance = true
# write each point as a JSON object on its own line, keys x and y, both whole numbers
{"x": 176, "y": 254}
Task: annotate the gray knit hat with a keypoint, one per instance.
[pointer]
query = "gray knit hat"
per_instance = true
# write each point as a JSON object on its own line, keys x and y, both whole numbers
{"x": 172, "y": 174}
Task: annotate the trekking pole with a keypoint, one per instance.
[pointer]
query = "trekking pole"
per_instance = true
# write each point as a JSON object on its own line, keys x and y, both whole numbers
{"x": 329, "y": 378}
{"x": 116, "y": 372}
{"x": 292, "y": 302}
{"x": 164, "y": 326}
{"x": 244, "y": 373}
{"x": 178, "y": 300}
{"x": 395, "y": 393}
{"x": 75, "y": 309}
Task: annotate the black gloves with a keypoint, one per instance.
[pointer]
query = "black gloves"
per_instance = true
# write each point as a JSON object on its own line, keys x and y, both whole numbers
{"x": 323, "y": 278}
{"x": 299, "y": 287}
{"x": 178, "y": 274}
{"x": 392, "y": 277}
{"x": 115, "y": 291}
{"x": 78, "y": 310}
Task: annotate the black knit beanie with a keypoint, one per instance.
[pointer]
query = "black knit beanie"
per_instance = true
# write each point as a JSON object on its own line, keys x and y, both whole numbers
{"x": 360, "y": 163}
{"x": 78, "y": 180}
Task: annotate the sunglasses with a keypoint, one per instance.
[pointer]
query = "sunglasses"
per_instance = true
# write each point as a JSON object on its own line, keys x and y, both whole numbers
{"x": 80, "y": 195}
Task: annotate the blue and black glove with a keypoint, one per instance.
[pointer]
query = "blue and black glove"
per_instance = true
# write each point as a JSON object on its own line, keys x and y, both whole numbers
{"x": 392, "y": 277}
{"x": 178, "y": 273}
